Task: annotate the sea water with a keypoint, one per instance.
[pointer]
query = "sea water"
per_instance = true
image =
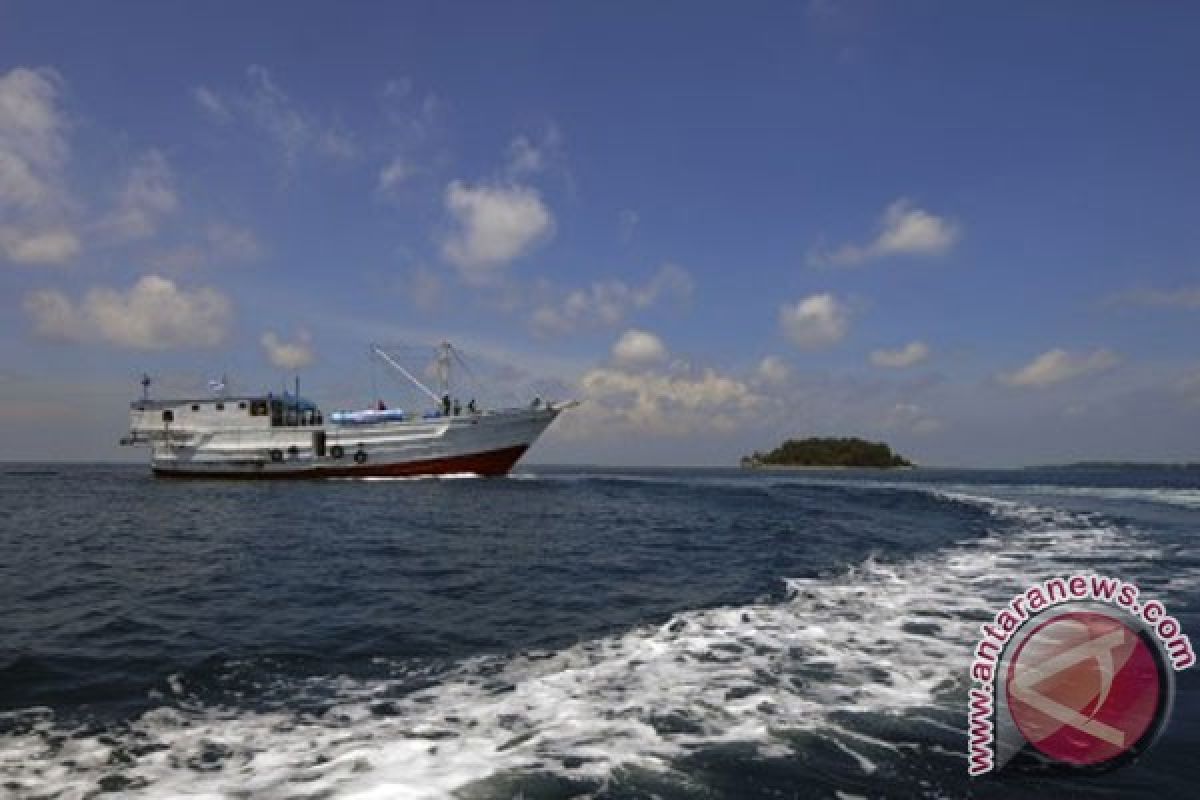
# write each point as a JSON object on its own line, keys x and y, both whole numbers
{"x": 564, "y": 632}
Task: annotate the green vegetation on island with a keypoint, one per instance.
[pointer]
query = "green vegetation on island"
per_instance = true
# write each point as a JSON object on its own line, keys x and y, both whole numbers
{"x": 828, "y": 452}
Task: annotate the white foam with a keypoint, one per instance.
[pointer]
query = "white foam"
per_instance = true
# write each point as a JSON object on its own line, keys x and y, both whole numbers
{"x": 445, "y": 476}
{"x": 1182, "y": 498}
{"x": 881, "y": 637}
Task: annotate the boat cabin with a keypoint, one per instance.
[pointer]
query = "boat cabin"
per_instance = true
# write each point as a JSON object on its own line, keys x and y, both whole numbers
{"x": 222, "y": 413}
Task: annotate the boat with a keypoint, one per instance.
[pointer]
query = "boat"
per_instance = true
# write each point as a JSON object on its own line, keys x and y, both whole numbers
{"x": 283, "y": 435}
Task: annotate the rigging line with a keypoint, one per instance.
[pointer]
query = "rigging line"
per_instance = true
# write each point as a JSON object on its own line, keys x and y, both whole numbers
{"x": 474, "y": 383}
{"x": 374, "y": 384}
{"x": 377, "y": 350}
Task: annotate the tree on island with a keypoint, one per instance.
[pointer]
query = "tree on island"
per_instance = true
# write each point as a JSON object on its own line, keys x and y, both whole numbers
{"x": 828, "y": 452}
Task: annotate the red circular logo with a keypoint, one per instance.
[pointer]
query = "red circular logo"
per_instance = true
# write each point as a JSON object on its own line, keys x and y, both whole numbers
{"x": 1084, "y": 688}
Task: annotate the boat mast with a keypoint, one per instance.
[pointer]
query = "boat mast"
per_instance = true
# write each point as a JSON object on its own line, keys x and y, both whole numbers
{"x": 378, "y": 351}
{"x": 443, "y": 368}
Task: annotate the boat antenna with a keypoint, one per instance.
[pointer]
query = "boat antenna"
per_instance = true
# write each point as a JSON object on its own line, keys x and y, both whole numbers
{"x": 146, "y": 385}
{"x": 377, "y": 350}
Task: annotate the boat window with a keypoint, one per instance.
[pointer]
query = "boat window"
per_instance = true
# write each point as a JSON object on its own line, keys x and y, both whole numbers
{"x": 220, "y": 406}
{"x": 258, "y": 408}
{"x": 242, "y": 406}
{"x": 195, "y": 406}
{"x": 168, "y": 416}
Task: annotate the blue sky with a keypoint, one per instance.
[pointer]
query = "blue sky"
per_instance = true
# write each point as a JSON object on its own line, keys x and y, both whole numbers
{"x": 970, "y": 232}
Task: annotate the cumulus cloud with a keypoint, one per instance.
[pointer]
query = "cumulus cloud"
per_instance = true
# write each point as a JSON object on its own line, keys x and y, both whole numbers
{"x": 148, "y": 196}
{"x": 153, "y": 314}
{"x": 494, "y": 224}
{"x": 33, "y": 153}
{"x": 638, "y": 349}
{"x": 1058, "y": 365}
{"x": 773, "y": 370}
{"x": 903, "y": 230}
{"x": 816, "y": 321}
{"x": 33, "y": 144}
{"x": 609, "y": 303}
{"x": 266, "y": 107}
{"x": 295, "y": 354}
{"x": 907, "y": 356}
{"x": 55, "y": 245}
{"x": 671, "y": 403}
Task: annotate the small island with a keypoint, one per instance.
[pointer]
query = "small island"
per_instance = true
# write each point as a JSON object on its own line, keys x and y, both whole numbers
{"x": 828, "y": 452}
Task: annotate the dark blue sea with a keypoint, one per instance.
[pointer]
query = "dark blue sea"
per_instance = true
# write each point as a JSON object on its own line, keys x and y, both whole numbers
{"x": 562, "y": 633}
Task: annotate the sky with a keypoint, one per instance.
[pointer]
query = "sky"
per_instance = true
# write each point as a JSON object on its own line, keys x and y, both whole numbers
{"x": 971, "y": 232}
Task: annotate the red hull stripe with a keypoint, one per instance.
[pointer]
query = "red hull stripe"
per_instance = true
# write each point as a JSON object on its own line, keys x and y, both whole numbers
{"x": 493, "y": 463}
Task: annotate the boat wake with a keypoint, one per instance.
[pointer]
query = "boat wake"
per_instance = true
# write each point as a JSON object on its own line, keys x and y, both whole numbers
{"x": 446, "y": 476}
{"x": 878, "y": 647}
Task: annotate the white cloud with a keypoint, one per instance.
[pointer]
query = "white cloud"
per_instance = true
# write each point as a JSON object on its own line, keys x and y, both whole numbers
{"x": 903, "y": 230}
{"x": 232, "y": 243}
{"x": 1187, "y": 297}
{"x": 495, "y": 224}
{"x": 54, "y": 316}
{"x": 912, "y": 353}
{"x": 524, "y": 156}
{"x": 672, "y": 403}
{"x": 638, "y": 349}
{"x": 1058, "y": 365}
{"x": 609, "y": 303}
{"x": 271, "y": 110}
{"x": 265, "y": 106}
{"x": 413, "y": 118}
{"x": 154, "y": 314}
{"x": 773, "y": 370}
{"x": 393, "y": 174}
{"x": 33, "y": 145}
{"x": 818, "y": 320}
{"x": 211, "y": 103}
{"x": 33, "y": 152}
{"x": 148, "y": 196}
{"x": 56, "y": 245}
{"x": 337, "y": 143}
{"x": 291, "y": 355}
{"x": 527, "y": 155}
